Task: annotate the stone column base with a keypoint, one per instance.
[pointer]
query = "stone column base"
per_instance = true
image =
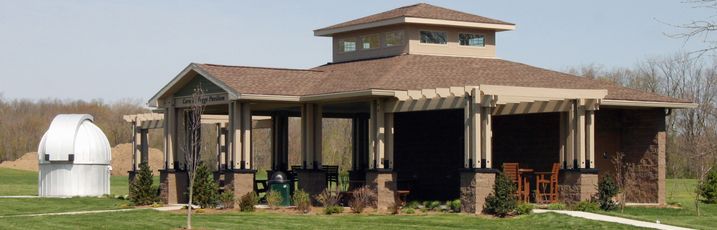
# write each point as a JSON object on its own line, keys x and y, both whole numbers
{"x": 173, "y": 186}
{"x": 384, "y": 184}
{"x": 577, "y": 185}
{"x": 240, "y": 182}
{"x": 476, "y": 185}
{"x": 311, "y": 181}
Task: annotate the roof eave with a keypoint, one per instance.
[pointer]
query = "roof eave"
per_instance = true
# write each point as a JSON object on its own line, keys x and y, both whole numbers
{"x": 154, "y": 101}
{"x": 328, "y": 31}
{"x": 648, "y": 104}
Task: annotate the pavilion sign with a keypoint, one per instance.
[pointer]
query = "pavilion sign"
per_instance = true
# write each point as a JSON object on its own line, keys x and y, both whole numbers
{"x": 208, "y": 99}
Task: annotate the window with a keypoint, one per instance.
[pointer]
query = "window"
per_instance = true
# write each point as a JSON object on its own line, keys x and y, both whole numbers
{"x": 347, "y": 45}
{"x": 432, "y": 37}
{"x": 472, "y": 40}
{"x": 371, "y": 41}
{"x": 394, "y": 38}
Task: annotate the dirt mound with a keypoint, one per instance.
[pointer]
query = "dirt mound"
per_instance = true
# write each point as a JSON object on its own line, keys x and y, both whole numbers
{"x": 121, "y": 160}
{"x": 25, "y": 162}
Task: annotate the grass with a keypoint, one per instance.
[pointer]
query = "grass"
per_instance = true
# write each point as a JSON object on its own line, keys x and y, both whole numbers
{"x": 149, "y": 219}
{"x": 679, "y": 191}
{"x": 50, "y": 205}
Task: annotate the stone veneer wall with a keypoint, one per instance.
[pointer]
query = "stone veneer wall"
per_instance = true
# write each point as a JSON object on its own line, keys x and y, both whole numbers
{"x": 172, "y": 187}
{"x": 640, "y": 135}
{"x": 475, "y": 187}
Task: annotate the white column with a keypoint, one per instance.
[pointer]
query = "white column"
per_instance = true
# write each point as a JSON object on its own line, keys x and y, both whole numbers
{"x": 234, "y": 133}
{"x": 487, "y": 137}
{"x": 246, "y": 136}
{"x": 311, "y": 138}
{"x": 380, "y": 134}
{"x": 563, "y": 138}
{"x": 389, "y": 140}
{"x": 590, "y": 137}
{"x": 135, "y": 146}
{"x": 580, "y": 135}
{"x": 170, "y": 134}
{"x": 570, "y": 143}
{"x": 473, "y": 131}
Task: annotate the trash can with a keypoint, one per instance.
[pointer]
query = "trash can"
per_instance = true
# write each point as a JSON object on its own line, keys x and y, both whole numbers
{"x": 279, "y": 183}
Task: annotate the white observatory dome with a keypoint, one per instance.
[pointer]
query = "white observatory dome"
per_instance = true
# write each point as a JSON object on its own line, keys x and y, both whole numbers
{"x": 74, "y": 157}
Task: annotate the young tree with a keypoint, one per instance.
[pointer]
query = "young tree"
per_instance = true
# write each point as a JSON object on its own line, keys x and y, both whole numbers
{"x": 193, "y": 156}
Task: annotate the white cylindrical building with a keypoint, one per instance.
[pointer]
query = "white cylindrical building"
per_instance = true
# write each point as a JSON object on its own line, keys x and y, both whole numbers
{"x": 74, "y": 156}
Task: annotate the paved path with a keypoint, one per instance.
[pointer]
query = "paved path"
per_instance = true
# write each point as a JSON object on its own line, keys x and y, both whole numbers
{"x": 606, "y": 218}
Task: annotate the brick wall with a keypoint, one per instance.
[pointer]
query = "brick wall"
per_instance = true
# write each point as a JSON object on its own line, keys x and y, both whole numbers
{"x": 640, "y": 135}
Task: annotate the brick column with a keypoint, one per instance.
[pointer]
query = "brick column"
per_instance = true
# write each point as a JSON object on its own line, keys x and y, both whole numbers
{"x": 311, "y": 181}
{"x": 240, "y": 181}
{"x": 476, "y": 185}
{"x": 661, "y": 167}
{"x": 577, "y": 185}
{"x": 173, "y": 186}
{"x": 383, "y": 182}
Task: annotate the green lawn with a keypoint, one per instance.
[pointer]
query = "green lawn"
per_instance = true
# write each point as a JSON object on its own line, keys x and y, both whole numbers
{"x": 680, "y": 191}
{"x": 49, "y": 205}
{"x": 148, "y": 219}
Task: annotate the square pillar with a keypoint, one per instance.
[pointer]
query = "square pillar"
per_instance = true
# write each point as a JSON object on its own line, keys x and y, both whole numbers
{"x": 240, "y": 136}
{"x": 473, "y": 157}
{"x": 311, "y": 140}
{"x": 476, "y": 185}
{"x": 383, "y": 183}
{"x": 312, "y": 181}
{"x": 280, "y": 142}
{"x": 221, "y": 146}
{"x": 240, "y": 181}
{"x": 170, "y": 135}
{"x": 577, "y": 185}
{"x": 173, "y": 186}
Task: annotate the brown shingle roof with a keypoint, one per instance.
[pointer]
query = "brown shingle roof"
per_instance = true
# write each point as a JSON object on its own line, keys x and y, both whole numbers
{"x": 421, "y": 10}
{"x": 411, "y": 72}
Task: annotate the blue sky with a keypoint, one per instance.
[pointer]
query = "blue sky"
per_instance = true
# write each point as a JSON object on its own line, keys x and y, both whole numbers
{"x": 129, "y": 49}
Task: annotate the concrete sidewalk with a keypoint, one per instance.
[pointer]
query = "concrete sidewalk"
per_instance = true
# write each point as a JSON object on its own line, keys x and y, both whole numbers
{"x": 165, "y": 208}
{"x": 613, "y": 219}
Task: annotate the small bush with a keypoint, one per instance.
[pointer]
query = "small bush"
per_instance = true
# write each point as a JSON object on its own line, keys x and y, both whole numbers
{"x": 502, "y": 201}
{"x": 227, "y": 198}
{"x": 362, "y": 198}
{"x": 205, "y": 189}
{"x": 524, "y": 208}
{"x": 412, "y": 204}
{"x": 556, "y": 206}
{"x": 455, "y": 205}
{"x": 331, "y": 209}
{"x": 607, "y": 189}
{"x": 434, "y": 205}
{"x": 302, "y": 201}
{"x": 708, "y": 187}
{"x": 273, "y": 199}
{"x": 141, "y": 192}
{"x": 409, "y": 210}
{"x": 328, "y": 198}
{"x": 587, "y": 206}
{"x": 247, "y": 202}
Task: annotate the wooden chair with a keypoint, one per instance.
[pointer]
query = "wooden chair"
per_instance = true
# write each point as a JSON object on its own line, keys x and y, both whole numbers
{"x": 511, "y": 171}
{"x": 544, "y": 180}
{"x": 332, "y": 174}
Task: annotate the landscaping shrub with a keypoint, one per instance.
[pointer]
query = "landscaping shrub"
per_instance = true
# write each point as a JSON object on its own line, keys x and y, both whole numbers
{"x": 141, "y": 189}
{"x": 206, "y": 190}
{"x": 524, "y": 208}
{"x": 409, "y": 210}
{"x": 607, "y": 190}
{"x": 455, "y": 205}
{"x": 502, "y": 201}
{"x": 302, "y": 201}
{"x": 434, "y": 205}
{"x": 273, "y": 199}
{"x": 362, "y": 198}
{"x": 328, "y": 210}
{"x": 556, "y": 206}
{"x": 587, "y": 206}
{"x": 247, "y": 202}
{"x": 708, "y": 187}
{"x": 227, "y": 198}
{"x": 328, "y": 198}
{"x": 412, "y": 204}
